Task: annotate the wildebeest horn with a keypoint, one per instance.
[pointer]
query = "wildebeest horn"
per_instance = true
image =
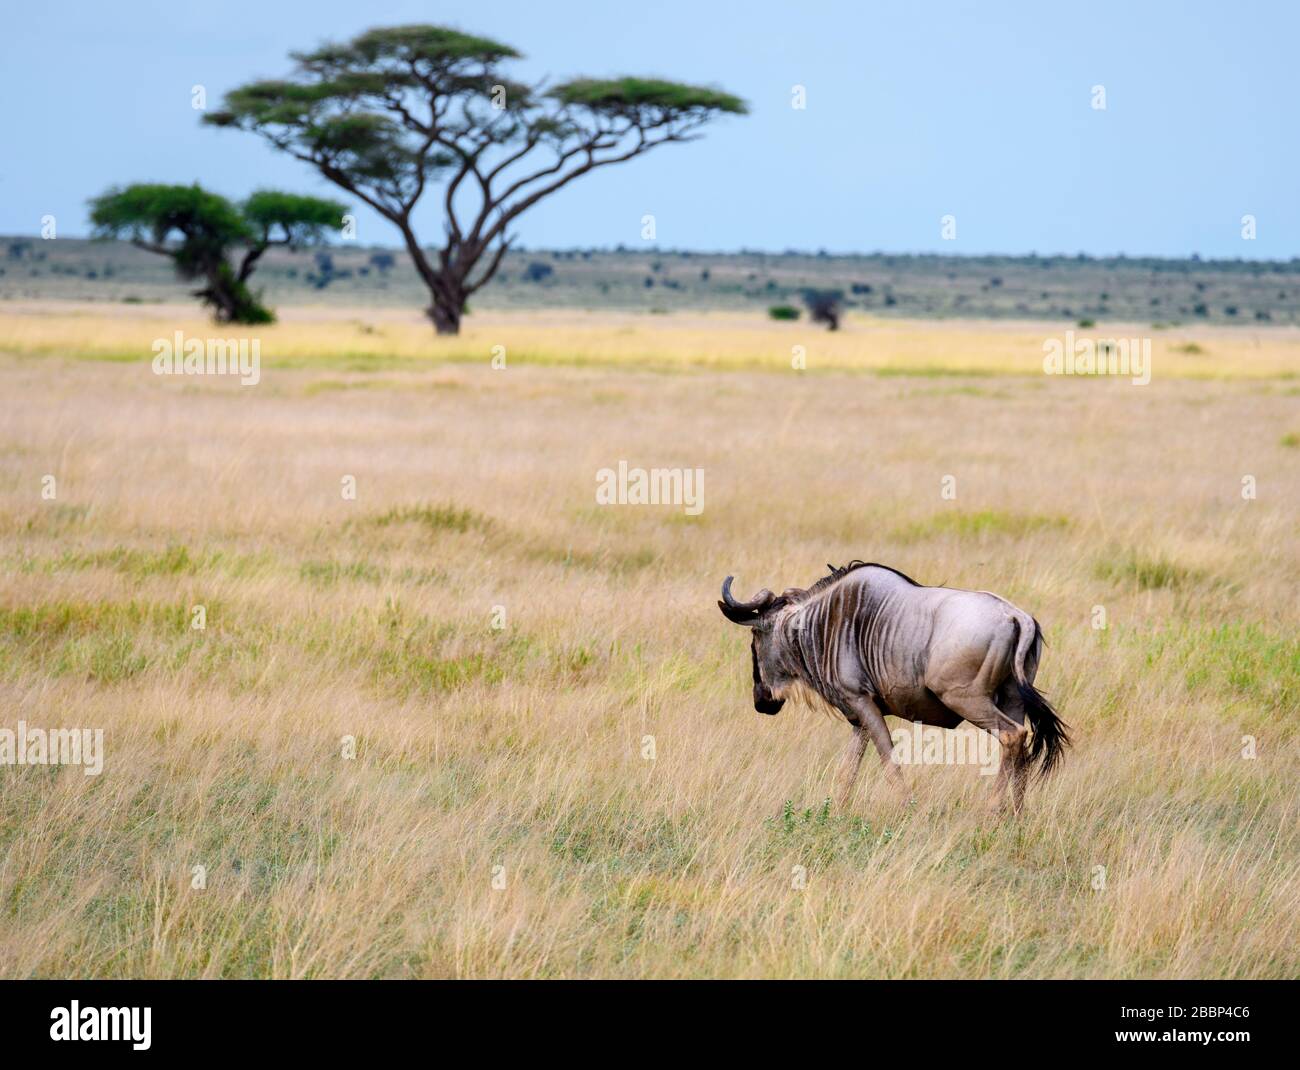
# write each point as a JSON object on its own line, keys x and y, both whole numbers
{"x": 754, "y": 605}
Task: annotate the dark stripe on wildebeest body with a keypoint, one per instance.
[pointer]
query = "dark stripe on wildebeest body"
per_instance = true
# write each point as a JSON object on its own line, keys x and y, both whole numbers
{"x": 872, "y": 641}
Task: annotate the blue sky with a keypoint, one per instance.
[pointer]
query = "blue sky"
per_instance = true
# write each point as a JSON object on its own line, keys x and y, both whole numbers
{"x": 914, "y": 111}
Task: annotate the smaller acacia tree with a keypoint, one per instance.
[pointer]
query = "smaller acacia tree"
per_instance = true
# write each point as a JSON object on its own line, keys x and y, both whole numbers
{"x": 203, "y": 233}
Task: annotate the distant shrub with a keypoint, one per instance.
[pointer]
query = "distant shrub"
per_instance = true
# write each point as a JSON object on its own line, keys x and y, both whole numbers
{"x": 824, "y": 307}
{"x": 325, "y": 273}
{"x": 1086, "y": 323}
{"x": 784, "y": 312}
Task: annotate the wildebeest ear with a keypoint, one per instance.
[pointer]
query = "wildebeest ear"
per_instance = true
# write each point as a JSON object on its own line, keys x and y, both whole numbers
{"x": 739, "y": 615}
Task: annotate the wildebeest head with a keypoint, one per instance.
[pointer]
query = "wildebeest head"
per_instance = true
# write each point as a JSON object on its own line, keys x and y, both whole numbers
{"x": 758, "y": 615}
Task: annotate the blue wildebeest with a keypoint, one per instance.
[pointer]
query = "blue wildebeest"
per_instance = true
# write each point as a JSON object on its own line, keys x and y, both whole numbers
{"x": 873, "y": 642}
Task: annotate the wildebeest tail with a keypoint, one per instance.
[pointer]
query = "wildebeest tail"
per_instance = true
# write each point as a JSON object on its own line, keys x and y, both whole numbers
{"x": 1051, "y": 735}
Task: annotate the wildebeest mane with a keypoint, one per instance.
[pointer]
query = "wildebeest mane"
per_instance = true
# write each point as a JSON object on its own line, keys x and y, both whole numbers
{"x": 837, "y": 574}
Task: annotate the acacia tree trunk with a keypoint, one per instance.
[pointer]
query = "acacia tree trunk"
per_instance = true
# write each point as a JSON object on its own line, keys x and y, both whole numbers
{"x": 447, "y": 299}
{"x": 448, "y": 304}
{"x": 220, "y": 295}
{"x": 231, "y": 299}
{"x": 446, "y": 317}
{"x": 446, "y": 283}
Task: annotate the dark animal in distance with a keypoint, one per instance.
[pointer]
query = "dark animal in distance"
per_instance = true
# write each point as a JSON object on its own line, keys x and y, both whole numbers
{"x": 873, "y": 642}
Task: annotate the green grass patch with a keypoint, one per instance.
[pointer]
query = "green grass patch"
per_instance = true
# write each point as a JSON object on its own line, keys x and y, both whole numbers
{"x": 96, "y": 640}
{"x": 618, "y": 562}
{"x": 408, "y": 655}
{"x": 114, "y": 641}
{"x": 1247, "y": 661}
{"x": 51, "y": 518}
{"x": 172, "y": 561}
{"x": 434, "y": 518}
{"x": 175, "y": 560}
{"x": 978, "y": 525}
{"x": 1146, "y": 573}
{"x": 624, "y": 839}
{"x": 53, "y": 621}
{"x": 328, "y": 573}
{"x": 819, "y": 838}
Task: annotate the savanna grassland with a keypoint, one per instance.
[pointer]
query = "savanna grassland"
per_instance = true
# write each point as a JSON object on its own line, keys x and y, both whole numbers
{"x": 501, "y": 817}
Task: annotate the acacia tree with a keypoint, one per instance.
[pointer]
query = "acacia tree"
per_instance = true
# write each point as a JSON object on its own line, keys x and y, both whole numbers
{"x": 203, "y": 234}
{"x": 397, "y": 110}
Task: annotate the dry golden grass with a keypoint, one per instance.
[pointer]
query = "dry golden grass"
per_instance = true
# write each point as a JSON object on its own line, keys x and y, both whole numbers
{"x": 522, "y": 748}
{"x": 374, "y": 339}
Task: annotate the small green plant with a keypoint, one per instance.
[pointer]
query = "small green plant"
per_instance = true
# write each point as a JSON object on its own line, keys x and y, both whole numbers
{"x": 1086, "y": 323}
{"x": 823, "y": 838}
{"x": 784, "y": 312}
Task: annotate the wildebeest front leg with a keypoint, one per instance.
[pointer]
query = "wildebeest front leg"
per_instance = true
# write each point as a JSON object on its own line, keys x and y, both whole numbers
{"x": 850, "y": 765}
{"x": 868, "y": 723}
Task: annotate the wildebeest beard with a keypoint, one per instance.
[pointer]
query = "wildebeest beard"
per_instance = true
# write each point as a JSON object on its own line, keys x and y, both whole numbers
{"x": 763, "y": 699}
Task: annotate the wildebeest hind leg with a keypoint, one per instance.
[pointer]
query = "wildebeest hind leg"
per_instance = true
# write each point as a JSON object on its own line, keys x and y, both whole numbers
{"x": 1009, "y": 702}
{"x": 980, "y": 711}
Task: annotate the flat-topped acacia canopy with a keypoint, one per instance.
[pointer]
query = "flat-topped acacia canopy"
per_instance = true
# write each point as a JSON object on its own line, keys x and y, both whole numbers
{"x": 397, "y": 109}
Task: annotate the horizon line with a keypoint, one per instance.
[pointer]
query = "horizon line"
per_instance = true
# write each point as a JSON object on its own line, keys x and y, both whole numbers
{"x": 623, "y": 249}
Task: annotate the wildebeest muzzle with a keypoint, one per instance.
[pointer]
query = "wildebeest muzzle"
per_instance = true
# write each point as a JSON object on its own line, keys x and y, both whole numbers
{"x": 764, "y": 700}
